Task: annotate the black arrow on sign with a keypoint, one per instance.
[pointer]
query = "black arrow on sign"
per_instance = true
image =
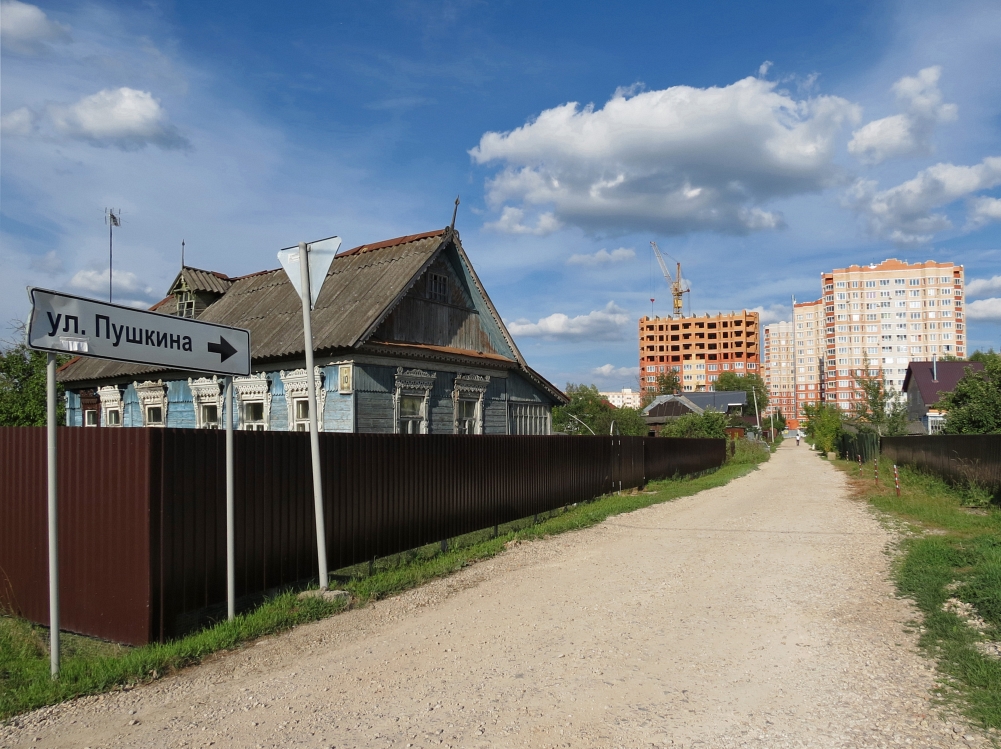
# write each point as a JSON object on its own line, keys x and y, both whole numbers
{"x": 224, "y": 348}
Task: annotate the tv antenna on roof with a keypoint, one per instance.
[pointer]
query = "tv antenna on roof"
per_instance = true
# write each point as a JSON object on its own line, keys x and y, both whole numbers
{"x": 112, "y": 220}
{"x": 182, "y": 254}
{"x": 455, "y": 211}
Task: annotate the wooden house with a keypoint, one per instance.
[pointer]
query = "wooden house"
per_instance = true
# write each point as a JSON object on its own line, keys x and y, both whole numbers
{"x": 406, "y": 340}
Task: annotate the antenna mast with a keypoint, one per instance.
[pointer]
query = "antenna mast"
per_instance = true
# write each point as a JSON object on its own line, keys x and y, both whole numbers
{"x": 112, "y": 220}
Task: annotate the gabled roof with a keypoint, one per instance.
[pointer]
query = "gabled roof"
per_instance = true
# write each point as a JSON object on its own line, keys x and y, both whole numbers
{"x": 197, "y": 279}
{"x": 720, "y": 400}
{"x": 363, "y": 286}
{"x": 919, "y": 375}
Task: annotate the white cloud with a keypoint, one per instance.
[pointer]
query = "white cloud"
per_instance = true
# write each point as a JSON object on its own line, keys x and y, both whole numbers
{"x": 903, "y": 214}
{"x": 610, "y": 370}
{"x": 673, "y": 161}
{"x": 773, "y": 313}
{"x": 511, "y": 222}
{"x": 19, "y": 122}
{"x": 603, "y": 257}
{"x": 983, "y": 211}
{"x": 96, "y": 282}
{"x": 50, "y": 264}
{"x": 123, "y": 117}
{"x": 764, "y": 67}
{"x": 26, "y": 30}
{"x": 985, "y": 309}
{"x": 606, "y": 324}
{"x": 981, "y": 286}
{"x": 909, "y": 133}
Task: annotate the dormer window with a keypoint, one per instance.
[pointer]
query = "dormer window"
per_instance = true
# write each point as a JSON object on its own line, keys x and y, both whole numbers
{"x": 437, "y": 287}
{"x": 185, "y": 303}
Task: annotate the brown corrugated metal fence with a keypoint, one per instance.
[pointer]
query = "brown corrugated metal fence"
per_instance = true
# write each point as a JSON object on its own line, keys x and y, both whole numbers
{"x": 142, "y": 511}
{"x": 958, "y": 458}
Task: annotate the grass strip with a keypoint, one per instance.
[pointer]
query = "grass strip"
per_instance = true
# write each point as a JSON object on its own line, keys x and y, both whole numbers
{"x": 90, "y": 666}
{"x": 954, "y": 553}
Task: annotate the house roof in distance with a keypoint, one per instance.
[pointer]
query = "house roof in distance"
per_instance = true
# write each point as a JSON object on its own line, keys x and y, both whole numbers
{"x": 712, "y": 400}
{"x": 920, "y": 375}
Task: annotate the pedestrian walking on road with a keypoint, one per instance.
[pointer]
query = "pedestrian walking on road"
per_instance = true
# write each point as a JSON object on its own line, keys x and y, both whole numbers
{"x": 797, "y": 439}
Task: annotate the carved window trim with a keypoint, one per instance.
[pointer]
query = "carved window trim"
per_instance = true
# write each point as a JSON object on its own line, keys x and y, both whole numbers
{"x": 469, "y": 388}
{"x": 296, "y": 385}
{"x": 152, "y": 395}
{"x": 111, "y": 400}
{"x": 255, "y": 388}
{"x": 207, "y": 391}
{"x": 415, "y": 383}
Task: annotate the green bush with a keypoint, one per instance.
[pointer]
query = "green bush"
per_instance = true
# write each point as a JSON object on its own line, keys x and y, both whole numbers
{"x": 711, "y": 424}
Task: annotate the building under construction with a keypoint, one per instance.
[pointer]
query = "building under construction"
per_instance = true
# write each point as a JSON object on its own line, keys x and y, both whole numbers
{"x": 699, "y": 349}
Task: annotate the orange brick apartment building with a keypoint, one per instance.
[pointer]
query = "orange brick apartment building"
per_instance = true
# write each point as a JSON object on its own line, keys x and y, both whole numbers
{"x": 699, "y": 349}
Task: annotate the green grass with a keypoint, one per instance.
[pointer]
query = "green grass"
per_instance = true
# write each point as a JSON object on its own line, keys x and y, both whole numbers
{"x": 955, "y": 552}
{"x": 90, "y": 666}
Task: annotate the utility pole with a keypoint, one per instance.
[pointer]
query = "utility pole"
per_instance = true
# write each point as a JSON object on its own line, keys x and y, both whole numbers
{"x": 795, "y": 364}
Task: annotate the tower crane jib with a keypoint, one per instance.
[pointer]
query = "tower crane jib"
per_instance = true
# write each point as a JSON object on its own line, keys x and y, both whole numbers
{"x": 678, "y": 287}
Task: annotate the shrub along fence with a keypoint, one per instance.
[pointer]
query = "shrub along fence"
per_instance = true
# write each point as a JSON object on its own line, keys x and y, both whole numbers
{"x": 142, "y": 511}
{"x": 961, "y": 459}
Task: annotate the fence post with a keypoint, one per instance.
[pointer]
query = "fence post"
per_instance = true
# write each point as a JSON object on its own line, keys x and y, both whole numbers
{"x": 859, "y": 464}
{"x": 875, "y": 469}
{"x": 896, "y": 478}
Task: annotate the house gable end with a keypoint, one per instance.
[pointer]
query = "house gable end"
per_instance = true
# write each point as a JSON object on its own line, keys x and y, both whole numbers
{"x": 439, "y": 310}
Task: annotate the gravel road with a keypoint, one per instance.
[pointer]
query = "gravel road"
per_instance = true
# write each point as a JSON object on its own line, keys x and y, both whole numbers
{"x": 758, "y": 614}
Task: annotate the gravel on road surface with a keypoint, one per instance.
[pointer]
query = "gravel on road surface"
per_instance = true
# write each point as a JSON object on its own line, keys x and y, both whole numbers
{"x": 757, "y": 614}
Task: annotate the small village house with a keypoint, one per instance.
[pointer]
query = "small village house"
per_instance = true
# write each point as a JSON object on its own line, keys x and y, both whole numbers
{"x": 408, "y": 339}
{"x": 923, "y": 384}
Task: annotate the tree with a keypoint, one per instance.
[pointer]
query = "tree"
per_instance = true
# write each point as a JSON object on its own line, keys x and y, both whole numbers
{"x": 984, "y": 356}
{"x": 710, "y": 424}
{"x": 824, "y": 425}
{"x": 668, "y": 383}
{"x": 974, "y": 406}
{"x": 752, "y": 384}
{"x": 778, "y": 419}
{"x": 881, "y": 409}
{"x": 22, "y": 386}
{"x": 588, "y": 412}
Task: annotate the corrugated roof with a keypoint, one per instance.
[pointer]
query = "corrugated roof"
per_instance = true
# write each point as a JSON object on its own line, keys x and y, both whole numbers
{"x": 206, "y": 280}
{"x": 362, "y": 286}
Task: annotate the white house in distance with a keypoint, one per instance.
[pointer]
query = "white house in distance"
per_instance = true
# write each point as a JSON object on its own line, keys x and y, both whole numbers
{"x": 625, "y": 398}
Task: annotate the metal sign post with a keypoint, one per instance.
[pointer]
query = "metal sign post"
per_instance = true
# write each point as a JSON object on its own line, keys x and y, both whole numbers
{"x": 313, "y": 261}
{"x": 230, "y": 505}
{"x": 63, "y": 323}
{"x": 53, "y": 477}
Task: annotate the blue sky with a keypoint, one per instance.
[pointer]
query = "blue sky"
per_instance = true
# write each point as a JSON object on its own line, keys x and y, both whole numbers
{"x": 759, "y": 144}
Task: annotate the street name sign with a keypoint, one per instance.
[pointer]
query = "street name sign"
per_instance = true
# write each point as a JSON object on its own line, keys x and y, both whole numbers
{"x": 63, "y": 323}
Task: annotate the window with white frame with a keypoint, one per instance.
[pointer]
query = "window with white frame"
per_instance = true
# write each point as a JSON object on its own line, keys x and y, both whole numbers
{"x": 410, "y": 400}
{"x": 528, "y": 418}
{"x": 90, "y": 417}
{"x": 300, "y": 416}
{"x": 152, "y": 398}
{"x": 297, "y": 398}
{"x": 206, "y": 396}
{"x": 111, "y": 406}
{"x": 467, "y": 398}
{"x": 253, "y": 394}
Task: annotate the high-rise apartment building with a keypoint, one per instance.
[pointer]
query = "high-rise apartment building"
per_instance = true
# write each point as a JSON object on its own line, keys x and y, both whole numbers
{"x": 811, "y": 342}
{"x": 889, "y": 314}
{"x": 699, "y": 349}
{"x": 778, "y": 361}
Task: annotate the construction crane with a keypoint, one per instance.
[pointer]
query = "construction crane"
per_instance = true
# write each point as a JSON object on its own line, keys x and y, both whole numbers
{"x": 678, "y": 287}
